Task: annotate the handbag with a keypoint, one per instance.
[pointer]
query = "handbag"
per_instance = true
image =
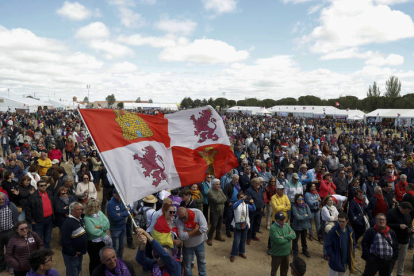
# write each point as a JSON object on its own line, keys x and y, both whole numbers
{"x": 107, "y": 240}
{"x": 242, "y": 224}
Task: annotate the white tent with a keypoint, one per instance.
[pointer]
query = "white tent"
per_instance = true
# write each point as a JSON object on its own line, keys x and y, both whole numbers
{"x": 355, "y": 115}
{"x": 23, "y": 104}
{"x": 251, "y": 110}
{"x": 159, "y": 106}
{"x": 403, "y": 116}
{"x": 66, "y": 105}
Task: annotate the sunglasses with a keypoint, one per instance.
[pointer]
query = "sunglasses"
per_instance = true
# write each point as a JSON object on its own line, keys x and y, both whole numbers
{"x": 171, "y": 212}
{"x": 42, "y": 185}
{"x": 63, "y": 193}
{"x": 86, "y": 179}
{"x": 300, "y": 198}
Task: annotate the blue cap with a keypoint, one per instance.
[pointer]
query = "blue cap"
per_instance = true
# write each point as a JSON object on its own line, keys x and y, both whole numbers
{"x": 279, "y": 216}
{"x": 115, "y": 192}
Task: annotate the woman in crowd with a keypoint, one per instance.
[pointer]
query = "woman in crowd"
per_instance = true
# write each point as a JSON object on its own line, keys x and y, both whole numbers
{"x": 86, "y": 190}
{"x": 62, "y": 203}
{"x": 329, "y": 218}
{"x": 241, "y": 224}
{"x": 313, "y": 200}
{"x": 96, "y": 225}
{"x": 19, "y": 248}
{"x": 186, "y": 196}
{"x": 10, "y": 186}
{"x": 270, "y": 191}
{"x": 96, "y": 163}
{"x": 281, "y": 179}
{"x": 34, "y": 175}
{"x": 300, "y": 223}
{"x": 165, "y": 231}
{"x": 327, "y": 186}
{"x": 24, "y": 190}
{"x": 204, "y": 187}
{"x": 83, "y": 170}
{"x": 197, "y": 196}
{"x": 69, "y": 148}
{"x": 55, "y": 153}
{"x": 353, "y": 187}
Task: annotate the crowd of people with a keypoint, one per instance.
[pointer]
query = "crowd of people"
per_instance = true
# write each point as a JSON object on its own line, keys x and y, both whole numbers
{"x": 345, "y": 185}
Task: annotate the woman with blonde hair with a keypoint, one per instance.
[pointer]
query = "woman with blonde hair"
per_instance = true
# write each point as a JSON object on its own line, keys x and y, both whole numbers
{"x": 96, "y": 225}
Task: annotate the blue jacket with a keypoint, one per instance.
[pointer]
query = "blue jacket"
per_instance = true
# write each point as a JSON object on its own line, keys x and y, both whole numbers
{"x": 332, "y": 247}
{"x": 112, "y": 209}
{"x": 204, "y": 188}
{"x": 355, "y": 214}
{"x": 307, "y": 180}
{"x": 172, "y": 265}
{"x": 310, "y": 200}
{"x": 257, "y": 197}
{"x": 299, "y": 219}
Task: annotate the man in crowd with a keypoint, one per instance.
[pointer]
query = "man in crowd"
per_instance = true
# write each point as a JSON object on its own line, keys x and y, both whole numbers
{"x": 231, "y": 190}
{"x": 77, "y": 163}
{"x": 44, "y": 163}
{"x": 340, "y": 247}
{"x": 298, "y": 266}
{"x": 68, "y": 184}
{"x": 293, "y": 187}
{"x": 389, "y": 194}
{"x": 216, "y": 199}
{"x": 41, "y": 263}
{"x": 245, "y": 182}
{"x": 8, "y": 218}
{"x": 377, "y": 204}
{"x": 192, "y": 229}
{"x": 256, "y": 193}
{"x": 369, "y": 186}
{"x": 379, "y": 248}
{"x": 341, "y": 183}
{"x": 110, "y": 263}
{"x": 399, "y": 220}
{"x": 74, "y": 240}
{"x": 281, "y": 236}
{"x": 117, "y": 213}
{"x": 39, "y": 212}
{"x": 5, "y": 141}
{"x": 16, "y": 169}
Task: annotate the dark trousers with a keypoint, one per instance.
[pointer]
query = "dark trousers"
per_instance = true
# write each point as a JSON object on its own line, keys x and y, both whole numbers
{"x": 5, "y": 237}
{"x": 129, "y": 231}
{"x": 359, "y": 231}
{"x": 95, "y": 177}
{"x": 255, "y": 218}
{"x": 375, "y": 264}
{"x": 20, "y": 273}
{"x": 106, "y": 196}
{"x": 215, "y": 224}
{"x": 295, "y": 247}
{"x": 229, "y": 217}
{"x": 283, "y": 262}
{"x": 93, "y": 251}
{"x": 205, "y": 211}
{"x": 44, "y": 230}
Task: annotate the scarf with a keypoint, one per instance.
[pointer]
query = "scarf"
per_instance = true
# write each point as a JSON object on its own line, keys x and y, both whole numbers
{"x": 330, "y": 208}
{"x": 65, "y": 200}
{"x": 190, "y": 222}
{"x": 195, "y": 194}
{"x": 360, "y": 202}
{"x": 410, "y": 192}
{"x": 381, "y": 206}
{"x": 237, "y": 186}
{"x": 258, "y": 169}
{"x": 314, "y": 192}
{"x": 120, "y": 270}
{"x": 385, "y": 232}
{"x": 5, "y": 203}
{"x": 300, "y": 205}
{"x": 402, "y": 185}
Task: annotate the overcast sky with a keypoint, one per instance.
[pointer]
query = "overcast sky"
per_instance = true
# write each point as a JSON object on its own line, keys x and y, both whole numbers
{"x": 169, "y": 49}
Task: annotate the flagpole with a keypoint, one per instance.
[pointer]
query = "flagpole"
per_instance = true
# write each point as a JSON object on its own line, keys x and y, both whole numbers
{"x": 109, "y": 172}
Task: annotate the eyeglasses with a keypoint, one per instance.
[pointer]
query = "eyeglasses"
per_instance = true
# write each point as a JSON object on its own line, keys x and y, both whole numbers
{"x": 208, "y": 176}
{"x": 86, "y": 179}
{"x": 50, "y": 260}
{"x": 63, "y": 193}
{"x": 171, "y": 212}
{"x": 44, "y": 185}
{"x": 300, "y": 198}
{"x": 381, "y": 219}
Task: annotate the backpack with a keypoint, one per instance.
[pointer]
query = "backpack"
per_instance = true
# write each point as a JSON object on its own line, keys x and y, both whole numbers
{"x": 141, "y": 218}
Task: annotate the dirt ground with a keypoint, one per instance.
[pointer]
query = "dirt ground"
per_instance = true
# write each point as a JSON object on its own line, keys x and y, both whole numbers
{"x": 218, "y": 256}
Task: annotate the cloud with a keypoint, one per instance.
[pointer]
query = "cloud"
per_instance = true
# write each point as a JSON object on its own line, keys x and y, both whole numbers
{"x": 131, "y": 19}
{"x": 295, "y": 1}
{"x": 124, "y": 67}
{"x": 95, "y": 30}
{"x": 123, "y": 3}
{"x": 220, "y": 6}
{"x": 156, "y": 42}
{"x": 314, "y": 9}
{"x": 390, "y": 60}
{"x": 149, "y": 2}
{"x": 74, "y": 11}
{"x": 352, "y": 23}
{"x": 111, "y": 49}
{"x": 391, "y": 2}
{"x": 174, "y": 26}
{"x": 204, "y": 51}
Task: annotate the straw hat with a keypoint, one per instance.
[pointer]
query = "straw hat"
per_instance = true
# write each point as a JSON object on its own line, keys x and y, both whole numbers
{"x": 303, "y": 166}
{"x": 149, "y": 199}
{"x": 290, "y": 166}
{"x": 326, "y": 174}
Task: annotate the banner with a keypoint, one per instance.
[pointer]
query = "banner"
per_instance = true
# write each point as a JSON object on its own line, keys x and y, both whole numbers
{"x": 145, "y": 153}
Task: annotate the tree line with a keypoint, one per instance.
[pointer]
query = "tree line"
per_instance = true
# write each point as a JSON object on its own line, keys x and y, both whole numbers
{"x": 375, "y": 99}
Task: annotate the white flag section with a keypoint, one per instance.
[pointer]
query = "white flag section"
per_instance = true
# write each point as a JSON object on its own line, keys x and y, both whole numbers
{"x": 141, "y": 168}
{"x": 145, "y": 154}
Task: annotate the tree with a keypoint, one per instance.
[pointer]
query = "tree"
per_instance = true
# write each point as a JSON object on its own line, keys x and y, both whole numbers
{"x": 120, "y": 105}
{"x": 86, "y": 100}
{"x": 110, "y": 99}
{"x": 204, "y": 102}
{"x": 138, "y": 100}
{"x": 187, "y": 102}
{"x": 373, "y": 95}
{"x": 197, "y": 103}
{"x": 150, "y": 101}
{"x": 392, "y": 90}
{"x": 232, "y": 103}
{"x": 211, "y": 102}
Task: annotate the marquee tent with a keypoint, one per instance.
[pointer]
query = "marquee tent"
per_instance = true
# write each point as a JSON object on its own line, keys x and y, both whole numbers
{"x": 22, "y": 104}
{"x": 66, "y": 105}
{"x": 251, "y": 110}
{"x": 150, "y": 106}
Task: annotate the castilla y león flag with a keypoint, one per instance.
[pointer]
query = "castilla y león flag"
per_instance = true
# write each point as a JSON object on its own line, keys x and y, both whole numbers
{"x": 145, "y": 154}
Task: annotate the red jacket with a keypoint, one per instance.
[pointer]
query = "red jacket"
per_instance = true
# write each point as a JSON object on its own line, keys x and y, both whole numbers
{"x": 400, "y": 190}
{"x": 55, "y": 154}
{"x": 326, "y": 188}
{"x": 19, "y": 249}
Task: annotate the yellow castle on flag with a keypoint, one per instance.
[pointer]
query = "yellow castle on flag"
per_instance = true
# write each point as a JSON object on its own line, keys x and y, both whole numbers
{"x": 132, "y": 125}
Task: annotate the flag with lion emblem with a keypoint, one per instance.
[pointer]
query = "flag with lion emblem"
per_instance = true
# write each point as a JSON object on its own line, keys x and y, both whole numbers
{"x": 149, "y": 153}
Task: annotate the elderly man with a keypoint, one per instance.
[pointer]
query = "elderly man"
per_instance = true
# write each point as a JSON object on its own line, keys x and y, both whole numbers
{"x": 192, "y": 228}
{"x": 293, "y": 187}
{"x": 44, "y": 163}
{"x": 231, "y": 190}
{"x": 15, "y": 169}
{"x": 40, "y": 207}
{"x": 217, "y": 199}
{"x": 399, "y": 220}
{"x": 8, "y": 218}
{"x": 369, "y": 186}
{"x": 379, "y": 248}
{"x": 112, "y": 264}
{"x": 281, "y": 236}
{"x": 68, "y": 184}
{"x": 333, "y": 162}
{"x": 377, "y": 205}
{"x": 77, "y": 163}
{"x": 256, "y": 193}
{"x": 74, "y": 240}
{"x": 341, "y": 183}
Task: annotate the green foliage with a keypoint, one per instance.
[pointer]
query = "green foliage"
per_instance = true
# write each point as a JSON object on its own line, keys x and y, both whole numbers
{"x": 86, "y": 100}
{"x": 120, "y": 105}
{"x": 150, "y": 101}
{"x": 138, "y": 100}
{"x": 392, "y": 88}
{"x": 187, "y": 102}
{"x": 110, "y": 99}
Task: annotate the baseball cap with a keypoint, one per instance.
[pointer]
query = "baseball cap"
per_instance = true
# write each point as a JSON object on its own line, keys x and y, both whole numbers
{"x": 295, "y": 176}
{"x": 280, "y": 186}
{"x": 55, "y": 161}
{"x": 371, "y": 174}
{"x": 279, "y": 216}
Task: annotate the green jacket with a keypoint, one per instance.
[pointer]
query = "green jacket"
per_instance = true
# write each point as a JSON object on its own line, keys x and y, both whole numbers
{"x": 216, "y": 200}
{"x": 281, "y": 246}
{"x": 90, "y": 223}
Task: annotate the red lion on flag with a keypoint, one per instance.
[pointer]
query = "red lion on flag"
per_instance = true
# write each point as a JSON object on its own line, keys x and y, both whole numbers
{"x": 203, "y": 130}
{"x": 151, "y": 167}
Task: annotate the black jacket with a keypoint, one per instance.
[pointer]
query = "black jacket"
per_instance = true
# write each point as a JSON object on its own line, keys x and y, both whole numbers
{"x": 34, "y": 207}
{"x": 369, "y": 239}
{"x": 409, "y": 198}
{"x": 394, "y": 219}
{"x": 228, "y": 191}
{"x": 245, "y": 182}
